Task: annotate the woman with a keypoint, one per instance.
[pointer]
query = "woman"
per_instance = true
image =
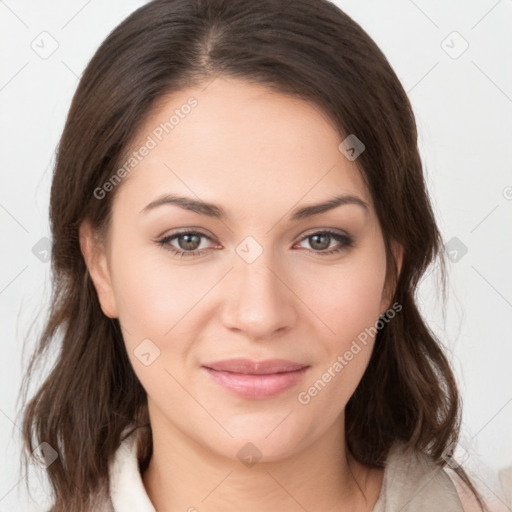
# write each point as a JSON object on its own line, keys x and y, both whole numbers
{"x": 240, "y": 223}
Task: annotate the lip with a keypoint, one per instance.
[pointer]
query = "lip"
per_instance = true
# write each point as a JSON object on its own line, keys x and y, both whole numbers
{"x": 256, "y": 379}
{"x": 247, "y": 366}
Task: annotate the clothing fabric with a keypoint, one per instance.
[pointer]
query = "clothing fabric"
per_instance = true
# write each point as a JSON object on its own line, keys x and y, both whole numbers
{"x": 412, "y": 482}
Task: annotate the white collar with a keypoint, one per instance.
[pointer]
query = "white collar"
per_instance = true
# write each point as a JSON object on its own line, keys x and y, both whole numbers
{"x": 127, "y": 491}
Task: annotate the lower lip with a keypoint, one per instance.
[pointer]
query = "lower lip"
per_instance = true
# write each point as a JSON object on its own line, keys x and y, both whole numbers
{"x": 256, "y": 386}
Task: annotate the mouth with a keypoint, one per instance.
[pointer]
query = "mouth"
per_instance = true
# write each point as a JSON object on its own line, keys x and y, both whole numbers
{"x": 256, "y": 380}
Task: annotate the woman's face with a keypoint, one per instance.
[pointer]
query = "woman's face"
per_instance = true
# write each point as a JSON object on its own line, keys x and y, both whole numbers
{"x": 259, "y": 282}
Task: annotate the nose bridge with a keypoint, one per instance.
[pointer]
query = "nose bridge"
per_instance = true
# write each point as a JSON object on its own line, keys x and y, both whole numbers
{"x": 259, "y": 303}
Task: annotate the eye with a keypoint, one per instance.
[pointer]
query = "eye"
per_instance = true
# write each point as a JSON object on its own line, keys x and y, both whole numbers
{"x": 188, "y": 243}
{"x": 321, "y": 241}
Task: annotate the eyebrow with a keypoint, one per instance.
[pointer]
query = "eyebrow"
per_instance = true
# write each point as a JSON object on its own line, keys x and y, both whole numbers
{"x": 215, "y": 211}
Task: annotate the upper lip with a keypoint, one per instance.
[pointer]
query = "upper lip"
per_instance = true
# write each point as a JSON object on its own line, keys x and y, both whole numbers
{"x": 249, "y": 367}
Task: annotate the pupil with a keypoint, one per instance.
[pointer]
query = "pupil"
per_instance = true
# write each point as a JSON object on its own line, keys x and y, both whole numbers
{"x": 319, "y": 245}
{"x": 191, "y": 242}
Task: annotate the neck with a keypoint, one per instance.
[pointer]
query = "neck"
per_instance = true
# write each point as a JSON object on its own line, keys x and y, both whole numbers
{"x": 186, "y": 476}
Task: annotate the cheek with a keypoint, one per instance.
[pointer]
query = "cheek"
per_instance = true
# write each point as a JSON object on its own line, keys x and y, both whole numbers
{"x": 155, "y": 302}
{"x": 152, "y": 293}
{"x": 350, "y": 307}
{"x": 348, "y": 297}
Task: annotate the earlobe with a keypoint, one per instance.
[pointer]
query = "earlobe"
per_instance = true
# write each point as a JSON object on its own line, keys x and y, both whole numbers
{"x": 95, "y": 258}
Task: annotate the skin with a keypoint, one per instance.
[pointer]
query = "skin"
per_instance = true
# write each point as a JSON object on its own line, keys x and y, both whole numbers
{"x": 242, "y": 147}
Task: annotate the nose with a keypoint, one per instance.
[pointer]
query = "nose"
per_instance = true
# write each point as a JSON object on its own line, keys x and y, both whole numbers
{"x": 258, "y": 300}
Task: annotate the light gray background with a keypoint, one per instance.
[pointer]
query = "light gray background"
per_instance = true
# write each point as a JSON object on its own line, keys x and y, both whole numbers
{"x": 463, "y": 105}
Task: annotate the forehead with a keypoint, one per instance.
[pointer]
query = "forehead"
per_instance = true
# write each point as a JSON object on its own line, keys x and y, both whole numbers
{"x": 232, "y": 139}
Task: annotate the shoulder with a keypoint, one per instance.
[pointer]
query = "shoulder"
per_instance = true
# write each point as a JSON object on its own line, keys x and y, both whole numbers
{"x": 414, "y": 482}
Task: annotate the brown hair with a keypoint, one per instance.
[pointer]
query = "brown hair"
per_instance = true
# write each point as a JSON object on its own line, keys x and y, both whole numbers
{"x": 309, "y": 49}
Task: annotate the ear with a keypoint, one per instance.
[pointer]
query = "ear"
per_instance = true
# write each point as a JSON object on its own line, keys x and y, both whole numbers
{"x": 95, "y": 257}
{"x": 388, "y": 291}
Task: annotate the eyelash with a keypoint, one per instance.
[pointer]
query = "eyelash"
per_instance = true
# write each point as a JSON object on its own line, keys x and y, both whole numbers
{"x": 346, "y": 240}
